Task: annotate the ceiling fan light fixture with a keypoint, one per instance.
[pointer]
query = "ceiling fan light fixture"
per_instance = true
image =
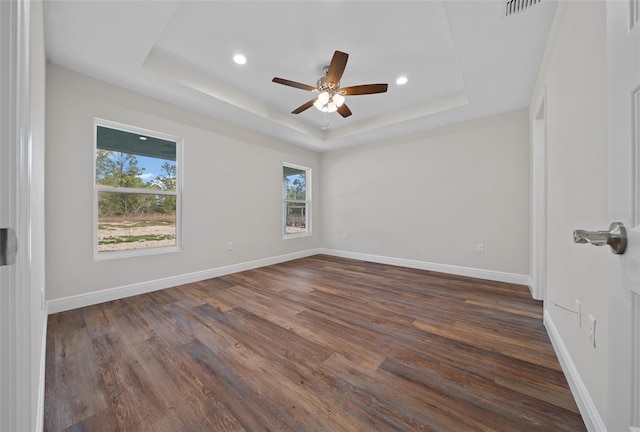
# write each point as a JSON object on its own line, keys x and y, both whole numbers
{"x": 324, "y": 97}
{"x": 338, "y": 99}
{"x": 332, "y": 107}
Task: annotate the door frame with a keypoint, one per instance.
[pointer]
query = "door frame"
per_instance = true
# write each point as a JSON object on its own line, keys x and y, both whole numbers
{"x": 538, "y": 124}
{"x": 635, "y": 398}
{"x": 623, "y": 88}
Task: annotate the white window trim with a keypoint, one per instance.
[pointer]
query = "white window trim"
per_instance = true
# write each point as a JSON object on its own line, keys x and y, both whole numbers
{"x": 308, "y": 203}
{"x": 100, "y": 256}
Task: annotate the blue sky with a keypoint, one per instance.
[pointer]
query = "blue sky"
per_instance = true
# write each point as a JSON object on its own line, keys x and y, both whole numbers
{"x": 152, "y": 166}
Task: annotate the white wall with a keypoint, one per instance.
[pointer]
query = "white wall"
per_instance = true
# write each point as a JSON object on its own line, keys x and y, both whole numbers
{"x": 232, "y": 189}
{"x": 574, "y": 79}
{"x": 432, "y": 197}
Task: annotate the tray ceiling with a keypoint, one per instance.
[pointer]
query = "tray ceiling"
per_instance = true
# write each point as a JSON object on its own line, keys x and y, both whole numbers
{"x": 463, "y": 59}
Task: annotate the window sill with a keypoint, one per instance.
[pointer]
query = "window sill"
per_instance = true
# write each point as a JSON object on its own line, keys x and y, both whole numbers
{"x": 293, "y": 236}
{"x": 104, "y": 256}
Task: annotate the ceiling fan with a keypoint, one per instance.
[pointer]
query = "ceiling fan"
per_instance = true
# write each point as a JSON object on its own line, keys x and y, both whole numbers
{"x": 330, "y": 95}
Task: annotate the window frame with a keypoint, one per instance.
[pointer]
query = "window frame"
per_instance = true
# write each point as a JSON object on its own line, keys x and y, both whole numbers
{"x": 306, "y": 201}
{"x": 107, "y": 255}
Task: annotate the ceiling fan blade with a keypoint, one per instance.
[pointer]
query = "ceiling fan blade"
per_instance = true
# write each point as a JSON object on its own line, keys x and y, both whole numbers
{"x": 293, "y": 84}
{"x": 344, "y": 110}
{"x": 336, "y": 68}
{"x": 364, "y": 89}
{"x": 305, "y": 106}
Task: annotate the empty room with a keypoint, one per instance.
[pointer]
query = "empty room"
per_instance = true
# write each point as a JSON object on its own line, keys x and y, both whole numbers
{"x": 320, "y": 215}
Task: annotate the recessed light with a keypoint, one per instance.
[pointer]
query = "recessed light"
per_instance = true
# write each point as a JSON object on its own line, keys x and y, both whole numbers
{"x": 402, "y": 80}
{"x": 142, "y": 138}
{"x": 240, "y": 59}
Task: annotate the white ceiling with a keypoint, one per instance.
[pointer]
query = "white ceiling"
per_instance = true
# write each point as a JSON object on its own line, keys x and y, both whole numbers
{"x": 464, "y": 59}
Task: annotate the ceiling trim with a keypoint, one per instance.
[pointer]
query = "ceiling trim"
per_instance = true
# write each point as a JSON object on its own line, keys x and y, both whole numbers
{"x": 197, "y": 81}
{"x": 454, "y": 100}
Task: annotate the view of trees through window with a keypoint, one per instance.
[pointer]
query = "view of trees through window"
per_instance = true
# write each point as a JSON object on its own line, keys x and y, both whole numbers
{"x": 136, "y": 182}
{"x": 295, "y": 201}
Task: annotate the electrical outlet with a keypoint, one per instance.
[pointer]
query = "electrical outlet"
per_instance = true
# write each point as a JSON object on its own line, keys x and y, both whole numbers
{"x": 480, "y": 247}
{"x": 592, "y": 330}
{"x": 579, "y": 312}
{"x": 229, "y": 246}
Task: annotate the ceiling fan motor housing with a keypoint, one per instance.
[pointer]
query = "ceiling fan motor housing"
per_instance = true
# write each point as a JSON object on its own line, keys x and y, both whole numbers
{"x": 322, "y": 84}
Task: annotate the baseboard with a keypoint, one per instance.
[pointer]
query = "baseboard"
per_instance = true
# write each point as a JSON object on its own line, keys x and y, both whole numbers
{"x": 532, "y": 288}
{"x": 41, "y": 383}
{"x": 587, "y": 407}
{"x": 88, "y": 299}
{"x": 423, "y": 265}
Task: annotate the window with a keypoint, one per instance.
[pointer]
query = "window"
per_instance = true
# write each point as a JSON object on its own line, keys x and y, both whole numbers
{"x": 137, "y": 190}
{"x": 296, "y": 205}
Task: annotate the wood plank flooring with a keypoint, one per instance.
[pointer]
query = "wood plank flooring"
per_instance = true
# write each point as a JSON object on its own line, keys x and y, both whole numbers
{"x": 316, "y": 344}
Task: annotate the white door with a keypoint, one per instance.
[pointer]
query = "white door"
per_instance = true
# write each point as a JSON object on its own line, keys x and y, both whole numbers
{"x": 17, "y": 402}
{"x": 623, "y": 46}
{"x": 7, "y": 220}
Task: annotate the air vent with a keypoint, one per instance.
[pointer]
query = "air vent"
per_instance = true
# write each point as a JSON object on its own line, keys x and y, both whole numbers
{"x": 515, "y": 6}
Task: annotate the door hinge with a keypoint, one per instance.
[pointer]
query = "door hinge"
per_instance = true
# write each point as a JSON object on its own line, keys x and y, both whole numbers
{"x": 8, "y": 246}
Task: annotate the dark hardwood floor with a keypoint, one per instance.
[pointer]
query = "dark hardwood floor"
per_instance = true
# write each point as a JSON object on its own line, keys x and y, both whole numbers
{"x": 316, "y": 344}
